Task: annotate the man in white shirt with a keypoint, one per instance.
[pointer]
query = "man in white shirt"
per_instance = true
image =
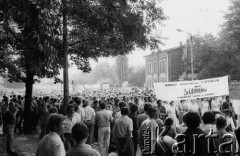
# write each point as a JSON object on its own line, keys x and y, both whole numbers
{"x": 80, "y": 109}
{"x": 51, "y": 144}
{"x": 70, "y": 120}
{"x": 89, "y": 120}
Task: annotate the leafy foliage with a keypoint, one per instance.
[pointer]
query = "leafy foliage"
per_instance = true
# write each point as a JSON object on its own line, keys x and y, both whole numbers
{"x": 30, "y": 33}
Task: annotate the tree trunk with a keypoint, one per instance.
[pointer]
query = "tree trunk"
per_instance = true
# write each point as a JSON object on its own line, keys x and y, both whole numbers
{"x": 27, "y": 125}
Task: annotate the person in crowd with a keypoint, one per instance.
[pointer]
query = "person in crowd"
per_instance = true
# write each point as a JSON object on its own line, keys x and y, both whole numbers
{"x": 204, "y": 106}
{"x": 103, "y": 121}
{"x": 122, "y": 133}
{"x": 34, "y": 114}
{"x": 215, "y": 105}
{"x": 80, "y": 133}
{"x": 70, "y": 120}
{"x": 133, "y": 116}
{"x": 193, "y": 121}
{"x": 228, "y": 110}
{"x": 10, "y": 121}
{"x": 43, "y": 115}
{"x": 144, "y": 116}
{"x": 4, "y": 109}
{"x": 172, "y": 114}
{"x": 80, "y": 110}
{"x": 193, "y": 106}
{"x": 51, "y": 144}
{"x": 118, "y": 114}
{"x": 221, "y": 124}
{"x": 168, "y": 125}
{"x": 115, "y": 107}
{"x": 89, "y": 120}
{"x": 208, "y": 119}
{"x": 162, "y": 113}
{"x": 149, "y": 126}
{"x": 180, "y": 110}
{"x": 182, "y": 128}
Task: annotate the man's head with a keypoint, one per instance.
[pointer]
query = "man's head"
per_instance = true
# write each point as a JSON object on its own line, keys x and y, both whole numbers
{"x": 192, "y": 120}
{"x": 12, "y": 106}
{"x": 56, "y": 123}
{"x": 159, "y": 102}
{"x": 70, "y": 110}
{"x": 122, "y": 104}
{"x": 152, "y": 112}
{"x": 80, "y": 132}
{"x": 124, "y": 110}
{"x": 102, "y": 105}
{"x": 146, "y": 107}
{"x": 208, "y": 117}
{"x": 168, "y": 122}
{"x": 221, "y": 122}
{"x": 133, "y": 108}
{"x": 227, "y": 98}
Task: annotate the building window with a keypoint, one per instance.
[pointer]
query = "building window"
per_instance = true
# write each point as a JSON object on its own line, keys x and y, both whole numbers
{"x": 163, "y": 65}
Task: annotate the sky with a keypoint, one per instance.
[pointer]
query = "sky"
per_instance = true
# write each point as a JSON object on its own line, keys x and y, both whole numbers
{"x": 193, "y": 16}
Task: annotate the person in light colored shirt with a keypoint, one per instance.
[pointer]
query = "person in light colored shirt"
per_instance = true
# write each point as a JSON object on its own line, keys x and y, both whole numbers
{"x": 80, "y": 109}
{"x": 118, "y": 114}
{"x": 122, "y": 133}
{"x": 70, "y": 120}
{"x": 51, "y": 144}
{"x": 89, "y": 120}
{"x": 103, "y": 120}
{"x": 80, "y": 133}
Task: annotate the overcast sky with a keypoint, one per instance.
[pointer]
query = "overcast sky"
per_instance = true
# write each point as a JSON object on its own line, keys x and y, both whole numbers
{"x": 193, "y": 16}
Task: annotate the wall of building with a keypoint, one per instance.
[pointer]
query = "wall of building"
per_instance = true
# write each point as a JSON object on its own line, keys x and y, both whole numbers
{"x": 164, "y": 66}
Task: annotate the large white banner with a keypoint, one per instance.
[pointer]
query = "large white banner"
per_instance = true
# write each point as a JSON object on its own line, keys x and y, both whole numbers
{"x": 183, "y": 90}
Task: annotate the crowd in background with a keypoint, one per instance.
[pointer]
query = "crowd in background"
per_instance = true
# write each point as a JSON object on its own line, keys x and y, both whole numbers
{"x": 117, "y": 121}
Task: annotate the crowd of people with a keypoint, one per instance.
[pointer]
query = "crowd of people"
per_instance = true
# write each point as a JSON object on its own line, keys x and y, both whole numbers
{"x": 118, "y": 121}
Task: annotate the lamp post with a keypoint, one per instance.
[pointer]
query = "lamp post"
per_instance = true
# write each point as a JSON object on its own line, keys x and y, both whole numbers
{"x": 191, "y": 48}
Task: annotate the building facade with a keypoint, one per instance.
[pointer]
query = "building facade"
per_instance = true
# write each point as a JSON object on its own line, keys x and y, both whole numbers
{"x": 164, "y": 66}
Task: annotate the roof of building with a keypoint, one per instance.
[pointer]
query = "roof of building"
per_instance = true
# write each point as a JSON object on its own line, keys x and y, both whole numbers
{"x": 166, "y": 50}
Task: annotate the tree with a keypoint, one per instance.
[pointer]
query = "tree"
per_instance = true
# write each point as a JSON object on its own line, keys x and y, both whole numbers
{"x": 121, "y": 69}
{"x": 137, "y": 76}
{"x": 29, "y": 44}
{"x": 214, "y": 57}
{"x": 91, "y": 29}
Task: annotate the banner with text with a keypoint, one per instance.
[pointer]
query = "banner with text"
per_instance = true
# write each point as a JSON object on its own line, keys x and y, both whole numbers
{"x": 184, "y": 90}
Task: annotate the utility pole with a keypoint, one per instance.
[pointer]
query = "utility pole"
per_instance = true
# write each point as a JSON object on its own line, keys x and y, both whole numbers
{"x": 65, "y": 51}
{"x": 191, "y": 43}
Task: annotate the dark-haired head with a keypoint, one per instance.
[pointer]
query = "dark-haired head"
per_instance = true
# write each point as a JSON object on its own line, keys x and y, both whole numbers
{"x": 122, "y": 104}
{"x": 192, "y": 120}
{"x": 133, "y": 108}
{"x": 124, "y": 110}
{"x": 146, "y": 107}
{"x": 102, "y": 105}
{"x": 80, "y": 132}
{"x": 221, "y": 122}
{"x": 152, "y": 112}
{"x": 168, "y": 122}
{"x": 54, "y": 122}
{"x": 208, "y": 117}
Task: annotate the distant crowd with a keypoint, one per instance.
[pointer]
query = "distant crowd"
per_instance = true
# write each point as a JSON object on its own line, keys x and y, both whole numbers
{"x": 118, "y": 121}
